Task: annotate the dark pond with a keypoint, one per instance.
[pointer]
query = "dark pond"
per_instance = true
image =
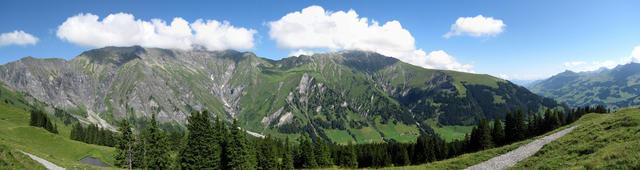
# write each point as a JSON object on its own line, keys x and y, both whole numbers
{"x": 93, "y": 161}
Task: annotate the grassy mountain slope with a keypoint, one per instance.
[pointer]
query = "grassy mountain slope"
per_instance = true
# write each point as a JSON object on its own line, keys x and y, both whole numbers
{"x": 602, "y": 141}
{"x": 350, "y": 96}
{"x": 616, "y": 88}
{"x": 13, "y": 159}
{"x": 15, "y": 133}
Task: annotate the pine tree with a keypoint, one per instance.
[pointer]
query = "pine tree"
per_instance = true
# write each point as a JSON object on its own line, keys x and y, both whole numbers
{"x": 401, "y": 157}
{"x": 202, "y": 150}
{"x": 305, "y": 156}
{"x": 485, "y": 135}
{"x": 124, "y": 148}
{"x": 287, "y": 156}
{"x": 509, "y": 128}
{"x": 323, "y": 155}
{"x": 239, "y": 149}
{"x": 222, "y": 136}
{"x": 351, "y": 159}
{"x": 157, "y": 150}
{"x": 267, "y": 157}
{"x": 521, "y": 128}
{"x": 531, "y": 128}
{"x": 140, "y": 150}
{"x": 497, "y": 132}
{"x": 420, "y": 150}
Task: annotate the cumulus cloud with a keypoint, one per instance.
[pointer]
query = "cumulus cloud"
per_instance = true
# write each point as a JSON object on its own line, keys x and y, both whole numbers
{"x": 315, "y": 28}
{"x": 503, "y": 76}
{"x": 635, "y": 55}
{"x": 17, "y": 37}
{"x": 301, "y": 52}
{"x": 477, "y": 26}
{"x": 123, "y": 29}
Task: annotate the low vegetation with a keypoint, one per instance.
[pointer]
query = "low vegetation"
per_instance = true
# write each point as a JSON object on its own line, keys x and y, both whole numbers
{"x": 17, "y": 134}
{"x": 602, "y": 141}
{"x": 13, "y": 159}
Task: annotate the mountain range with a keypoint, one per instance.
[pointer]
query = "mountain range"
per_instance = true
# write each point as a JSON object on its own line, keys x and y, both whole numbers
{"x": 615, "y": 88}
{"x": 348, "y": 96}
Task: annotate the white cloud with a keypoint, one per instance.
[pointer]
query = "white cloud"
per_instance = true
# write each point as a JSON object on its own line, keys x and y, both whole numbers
{"x": 503, "y": 76}
{"x": 17, "y": 37}
{"x": 313, "y": 27}
{"x": 123, "y": 29}
{"x": 301, "y": 52}
{"x": 476, "y": 27}
{"x": 635, "y": 55}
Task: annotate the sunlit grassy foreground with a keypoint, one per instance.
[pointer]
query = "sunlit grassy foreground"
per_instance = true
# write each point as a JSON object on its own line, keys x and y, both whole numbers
{"x": 15, "y": 133}
{"x": 602, "y": 141}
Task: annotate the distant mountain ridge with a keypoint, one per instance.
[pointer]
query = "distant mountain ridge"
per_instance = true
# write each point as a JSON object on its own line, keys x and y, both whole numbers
{"x": 344, "y": 96}
{"x": 616, "y": 88}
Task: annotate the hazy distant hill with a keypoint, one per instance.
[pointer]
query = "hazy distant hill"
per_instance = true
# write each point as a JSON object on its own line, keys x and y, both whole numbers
{"x": 345, "y": 96}
{"x": 617, "y": 88}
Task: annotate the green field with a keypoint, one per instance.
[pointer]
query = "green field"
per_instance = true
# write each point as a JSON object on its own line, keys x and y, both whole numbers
{"x": 449, "y": 133}
{"x": 16, "y": 134}
{"x": 400, "y": 132}
{"x": 339, "y": 136}
{"x": 366, "y": 135}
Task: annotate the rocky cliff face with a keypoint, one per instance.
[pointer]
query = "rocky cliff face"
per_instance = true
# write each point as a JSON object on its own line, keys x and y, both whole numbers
{"x": 337, "y": 95}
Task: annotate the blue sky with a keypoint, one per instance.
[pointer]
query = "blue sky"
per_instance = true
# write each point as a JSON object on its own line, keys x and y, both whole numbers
{"x": 538, "y": 38}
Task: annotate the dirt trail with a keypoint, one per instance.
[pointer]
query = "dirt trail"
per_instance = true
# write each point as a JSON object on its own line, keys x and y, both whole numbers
{"x": 511, "y": 158}
{"x": 46, "y": 163}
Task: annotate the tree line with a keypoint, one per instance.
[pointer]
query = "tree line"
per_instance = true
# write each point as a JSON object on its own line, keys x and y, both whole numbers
{"x": 92, "y": 134}
{"x": 212, "y": 144}
{"x": 518, "y": 126}
{"x": 40, "y": 119}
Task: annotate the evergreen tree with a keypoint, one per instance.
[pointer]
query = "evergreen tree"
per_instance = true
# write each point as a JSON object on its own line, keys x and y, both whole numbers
{"x": 401, "y": 156}
{"x": 40, "y": 119}
{"x": 202, "y": 149}
{"x": 267, "y": 157}
{"x": 322, "y": 153}
{"x": 305, "y": 157}
{"x": 239, "y": 149}
{"x": 497, "y": 132}
{"x": 531, "y": 125}
{"x": 481, "y": 136}
{"x": 157, "y": 150}
{"x": 419, "y": 151}
{"x": 509, "y": 128}
{"x": 520, "y": 126}
{"x": 223, "y": 137}
{"x": 140, "y": 150}
{"x": 485, "y": 141}
{"x": 287, "y": 156}
{"x": 124, "y": 148}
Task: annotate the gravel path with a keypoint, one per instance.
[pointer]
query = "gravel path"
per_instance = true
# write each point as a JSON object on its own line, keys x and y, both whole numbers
{"x": 46, "y": 163}
{"x": 511, "y": 158}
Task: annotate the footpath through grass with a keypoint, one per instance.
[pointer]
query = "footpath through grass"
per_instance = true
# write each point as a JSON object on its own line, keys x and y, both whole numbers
{"x": 603, "y": 141}
{"x": 13, "y": 159}
{"x": 15, "y": 133}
